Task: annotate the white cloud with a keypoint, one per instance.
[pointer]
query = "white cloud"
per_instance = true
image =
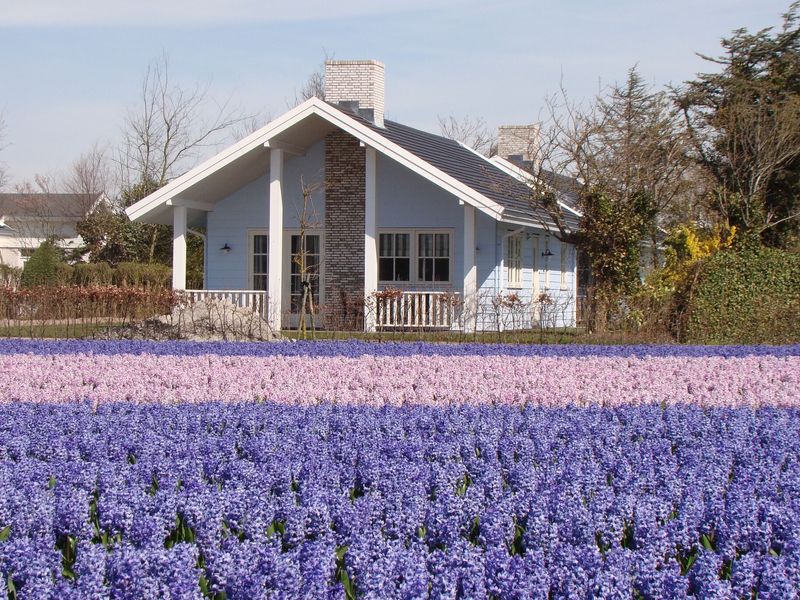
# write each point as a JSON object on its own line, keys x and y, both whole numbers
{"x": 36, "y": 13}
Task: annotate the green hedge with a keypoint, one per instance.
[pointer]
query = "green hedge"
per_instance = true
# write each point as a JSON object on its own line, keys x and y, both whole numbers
{"x": 142, "y": 274}
{"x": 746, "y": 297}
{"x": 93, "y": 274}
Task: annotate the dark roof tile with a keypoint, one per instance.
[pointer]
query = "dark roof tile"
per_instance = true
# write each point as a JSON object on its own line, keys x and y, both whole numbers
{"x": 462, "y": 164}
{"x": 68, "y": 206}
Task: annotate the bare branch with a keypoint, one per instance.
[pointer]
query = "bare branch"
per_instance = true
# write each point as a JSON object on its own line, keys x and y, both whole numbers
{"x": 89, "y": 176}
{"x": 314, "y": 85}
{"x": 169, "y": 128}
{"x": 472, "y": 132}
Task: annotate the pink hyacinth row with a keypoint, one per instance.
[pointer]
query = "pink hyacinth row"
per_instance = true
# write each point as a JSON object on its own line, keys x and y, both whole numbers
{"x": 711, "y": 381}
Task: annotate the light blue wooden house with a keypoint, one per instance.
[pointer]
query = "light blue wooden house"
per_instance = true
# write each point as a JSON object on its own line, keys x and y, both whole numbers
{"x": 398, "y": 228}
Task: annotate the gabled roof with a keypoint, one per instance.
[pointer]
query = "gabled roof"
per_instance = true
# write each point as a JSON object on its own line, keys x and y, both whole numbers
{"x": 49, "y": 206}
{"x": 455, "y": 168}
{"x": 461, "y": 163}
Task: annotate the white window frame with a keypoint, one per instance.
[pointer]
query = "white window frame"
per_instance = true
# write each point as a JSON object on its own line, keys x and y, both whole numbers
{"x": 413, "y": 277}
{"x": 564, "y": 264}
{"x": 514, "y": 263}
{"x": 410, "y": 234}
{"x": 251, "y": 246}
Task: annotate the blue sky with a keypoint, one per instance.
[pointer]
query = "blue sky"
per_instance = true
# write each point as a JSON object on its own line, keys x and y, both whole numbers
{"x": 71, "y": 69}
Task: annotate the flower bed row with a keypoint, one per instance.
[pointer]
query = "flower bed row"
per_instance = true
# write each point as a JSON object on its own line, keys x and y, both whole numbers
{"x": 589, "y": 380}
{"x": 355, "y": 349}
{"x": 261, "y": 500}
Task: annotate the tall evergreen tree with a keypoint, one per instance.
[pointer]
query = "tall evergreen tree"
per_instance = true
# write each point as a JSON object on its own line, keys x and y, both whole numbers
{"x": 744, "y": 127}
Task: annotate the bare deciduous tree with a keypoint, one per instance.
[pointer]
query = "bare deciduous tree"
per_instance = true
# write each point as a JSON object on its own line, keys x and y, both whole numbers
{"x": 628, "y": 141}
{"x": 308, "y": 269}
{"x": 164, "y": 134}
{"x": 169, "y": 128}
{"x": 624, "y": 158}
{"x": 470, "y": 131}
{"x": 89, "y": 176}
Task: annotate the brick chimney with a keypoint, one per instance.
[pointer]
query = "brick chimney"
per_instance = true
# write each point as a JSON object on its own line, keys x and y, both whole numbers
{"x": 517, "y": 143}
{"x": 356, "y": 85}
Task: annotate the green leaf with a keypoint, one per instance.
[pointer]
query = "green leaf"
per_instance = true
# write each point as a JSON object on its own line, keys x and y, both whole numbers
{"x": 5, "y": 533}
{"x": 706, "y": 542}
{"x": 51, "y": 483}
{"x": 12, "y": 589}
{"x": 463, "y": 485}
{"x": 342, "y": 575}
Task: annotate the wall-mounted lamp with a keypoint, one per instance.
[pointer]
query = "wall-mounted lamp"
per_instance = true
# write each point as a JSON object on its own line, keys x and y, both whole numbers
{"x": 547, "y": 252}
{"x": 225, "y": 249}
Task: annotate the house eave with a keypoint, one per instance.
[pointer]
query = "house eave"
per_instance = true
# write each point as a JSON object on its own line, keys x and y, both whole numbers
{"x": 265, "y": 136}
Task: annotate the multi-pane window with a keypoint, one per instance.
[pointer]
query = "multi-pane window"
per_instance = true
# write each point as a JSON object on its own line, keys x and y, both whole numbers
{"x": 394, "y": 257}
{"x": 260, "y": 245}
{"x": 514, "y": 260}
{"x": 306, "y": 259}
{"x": 433, "y": 257}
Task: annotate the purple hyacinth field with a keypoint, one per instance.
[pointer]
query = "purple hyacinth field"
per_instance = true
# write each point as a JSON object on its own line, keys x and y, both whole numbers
{"x": 353, "y": 470}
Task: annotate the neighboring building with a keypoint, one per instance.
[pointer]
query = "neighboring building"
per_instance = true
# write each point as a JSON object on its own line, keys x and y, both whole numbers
{"x": 26, "y": 220}
{"x": 394, "y": 208}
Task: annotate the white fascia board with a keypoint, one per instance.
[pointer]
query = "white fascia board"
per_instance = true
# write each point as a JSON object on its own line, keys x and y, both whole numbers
{"x": 193, "y": 204}
{"x": 227, "y": 156}
{"x": 526, "y": 177}
{"x": 544, "y": 225}
{"x": 337, "y": 118}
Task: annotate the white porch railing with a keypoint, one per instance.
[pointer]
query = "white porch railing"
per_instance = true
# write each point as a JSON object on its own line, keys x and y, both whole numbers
{"x": 253, "y": 299}
{"x": 417, "y": 310}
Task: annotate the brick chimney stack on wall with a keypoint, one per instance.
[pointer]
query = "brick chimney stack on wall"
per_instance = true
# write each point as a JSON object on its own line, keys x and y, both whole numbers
{"x": 517, "y": 142}
{"x": 357, "y": 84}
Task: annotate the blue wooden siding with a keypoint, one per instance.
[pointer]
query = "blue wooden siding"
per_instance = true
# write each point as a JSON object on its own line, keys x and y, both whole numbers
{"x": 248, "y": 209}
{"x": 405, "y": 200}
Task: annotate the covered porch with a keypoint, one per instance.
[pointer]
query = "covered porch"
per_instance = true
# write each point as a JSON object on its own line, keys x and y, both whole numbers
{"x": 393, "y": 306}
{"x": 248, "y": 196}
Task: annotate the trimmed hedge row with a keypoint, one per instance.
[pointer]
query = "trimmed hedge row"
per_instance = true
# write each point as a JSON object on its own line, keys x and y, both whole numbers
{"x": 745, "y": 297}
{"x": 49, "y": 272}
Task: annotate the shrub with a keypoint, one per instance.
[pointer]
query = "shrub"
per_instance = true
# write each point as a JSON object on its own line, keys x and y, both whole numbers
{"x": 64, "y": 273}
{"x": 66, "y": 302}
{"x": 142, "y": 274}
{"x": 93, "y": 273}
{"x": 745, "y": 297}
{"x": 42, "y": 267}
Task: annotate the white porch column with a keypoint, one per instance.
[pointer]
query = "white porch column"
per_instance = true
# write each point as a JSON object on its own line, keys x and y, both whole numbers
{"x": 370, "y": 236}
{"x": 178, "y": 247}
{"x": 275, "y": 266}
{"x": 470, "y": 270}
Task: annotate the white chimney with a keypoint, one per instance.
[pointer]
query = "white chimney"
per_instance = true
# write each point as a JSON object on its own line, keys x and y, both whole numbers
{"x": 517, "y": 142}
{"x": 357, "y": 85}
